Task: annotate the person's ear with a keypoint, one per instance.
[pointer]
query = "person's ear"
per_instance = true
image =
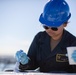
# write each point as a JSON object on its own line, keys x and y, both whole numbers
{"x": 65, "y": 24}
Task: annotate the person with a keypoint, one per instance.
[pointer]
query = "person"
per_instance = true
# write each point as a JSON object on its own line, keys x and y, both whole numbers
{"x": 48, "y": 50}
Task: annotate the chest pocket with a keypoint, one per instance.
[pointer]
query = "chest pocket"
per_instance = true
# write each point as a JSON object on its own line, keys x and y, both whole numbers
{"x": 61, "y": 58}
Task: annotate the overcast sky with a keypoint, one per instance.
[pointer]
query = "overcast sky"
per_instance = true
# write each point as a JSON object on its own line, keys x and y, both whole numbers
{"x": 19, "y": 23}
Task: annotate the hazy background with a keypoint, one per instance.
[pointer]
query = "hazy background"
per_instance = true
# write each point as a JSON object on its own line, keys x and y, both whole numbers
{"x": 19, "y": 23}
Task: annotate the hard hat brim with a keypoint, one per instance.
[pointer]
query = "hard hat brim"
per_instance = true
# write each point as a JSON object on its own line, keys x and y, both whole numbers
{"x": 53, "y": 24}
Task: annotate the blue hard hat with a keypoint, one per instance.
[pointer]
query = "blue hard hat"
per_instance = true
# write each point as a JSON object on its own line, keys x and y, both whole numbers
{"x": 55, "y": 13}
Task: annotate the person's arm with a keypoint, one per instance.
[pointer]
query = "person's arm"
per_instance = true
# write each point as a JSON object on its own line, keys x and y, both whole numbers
{"x": 32, "y": 55}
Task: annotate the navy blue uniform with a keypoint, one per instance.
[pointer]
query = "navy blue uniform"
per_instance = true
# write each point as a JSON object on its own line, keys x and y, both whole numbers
{"x": 40, "y": 54}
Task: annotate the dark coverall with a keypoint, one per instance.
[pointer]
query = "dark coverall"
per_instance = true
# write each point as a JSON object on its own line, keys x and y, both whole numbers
{"x": 40, "y": 54}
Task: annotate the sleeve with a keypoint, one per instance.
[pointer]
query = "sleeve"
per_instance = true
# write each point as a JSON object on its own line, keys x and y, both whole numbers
{"x": 32, "y": 52}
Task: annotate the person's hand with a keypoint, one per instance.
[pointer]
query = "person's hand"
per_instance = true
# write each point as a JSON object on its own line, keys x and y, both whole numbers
{"x": 22, "y": 57}
{"x": 74, "y": 55}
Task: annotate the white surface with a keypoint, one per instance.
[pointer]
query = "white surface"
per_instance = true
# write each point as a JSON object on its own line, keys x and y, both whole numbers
{"x": 32, "y": 73}
{"x": 70, "y": 50}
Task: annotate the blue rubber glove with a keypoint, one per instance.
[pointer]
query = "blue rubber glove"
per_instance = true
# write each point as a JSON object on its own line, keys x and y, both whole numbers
{"x": 22, "y": 57}
{"x": 74, "y": 55}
